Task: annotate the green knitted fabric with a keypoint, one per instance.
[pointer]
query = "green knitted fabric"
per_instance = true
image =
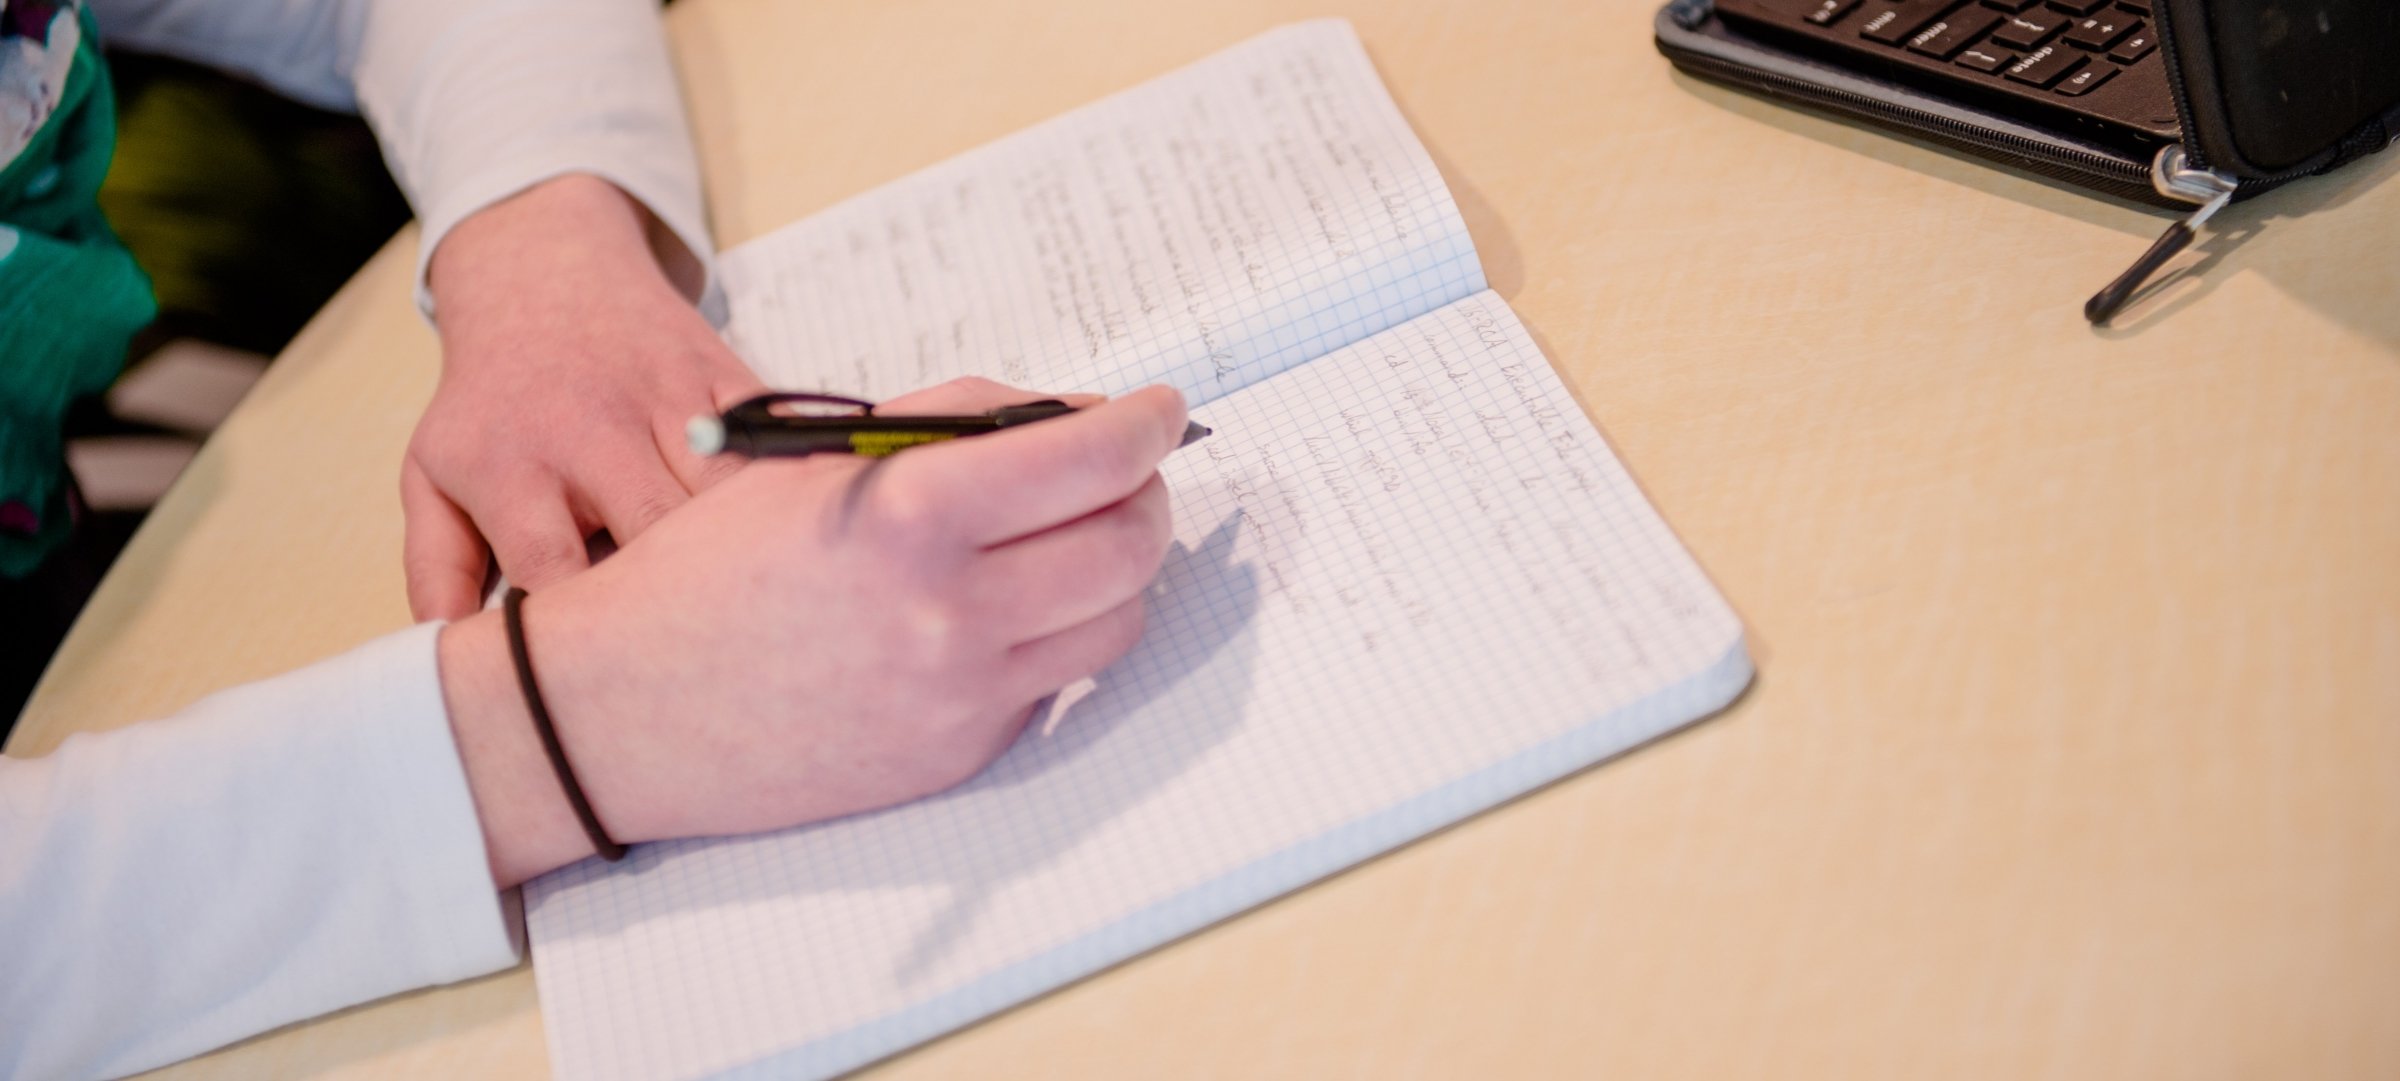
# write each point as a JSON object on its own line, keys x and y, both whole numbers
{"x": 70, "y": 299}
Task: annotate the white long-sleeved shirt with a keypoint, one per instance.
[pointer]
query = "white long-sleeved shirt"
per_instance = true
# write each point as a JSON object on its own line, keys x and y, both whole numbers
{"x": 271, "y": 853}
{"x": 473, "y": 100}
{"x": 298, "y": 845}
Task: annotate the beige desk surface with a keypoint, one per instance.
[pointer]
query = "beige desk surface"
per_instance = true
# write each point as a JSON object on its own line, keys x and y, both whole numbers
{"x": 2075, "y": 750}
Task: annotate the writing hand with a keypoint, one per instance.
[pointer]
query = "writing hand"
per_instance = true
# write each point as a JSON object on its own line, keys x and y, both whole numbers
{"x": 786, "y": 649}
{"x": 570, "y": 364}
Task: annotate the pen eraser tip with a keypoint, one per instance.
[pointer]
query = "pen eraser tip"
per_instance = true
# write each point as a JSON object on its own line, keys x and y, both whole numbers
{"x": 706, "y": 434}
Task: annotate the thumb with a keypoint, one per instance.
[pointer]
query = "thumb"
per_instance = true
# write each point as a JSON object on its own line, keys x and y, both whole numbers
{"x": 442, "y": 555}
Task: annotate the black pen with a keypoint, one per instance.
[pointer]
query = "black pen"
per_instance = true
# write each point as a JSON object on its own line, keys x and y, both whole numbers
{"x": 756, "y": 429}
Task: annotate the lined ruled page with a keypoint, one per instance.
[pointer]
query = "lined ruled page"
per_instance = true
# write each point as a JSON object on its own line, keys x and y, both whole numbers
{"x": 1206, "y": 229}
{"x": 1409, "y": 582}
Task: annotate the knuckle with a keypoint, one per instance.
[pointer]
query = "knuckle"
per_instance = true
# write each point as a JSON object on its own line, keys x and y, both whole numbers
{"x": 977, "y": 386}
{"x": 1123, "y": 630}
{"x": 934, "y": 638}
{"x": 539, "y": 557}
{"x": 1134, "y": 549}
{"x": 908, "y": 510}
{"x": 1103, "y": 462}
{"x": 714, "y": 469}
{"x": 653, "y": 505}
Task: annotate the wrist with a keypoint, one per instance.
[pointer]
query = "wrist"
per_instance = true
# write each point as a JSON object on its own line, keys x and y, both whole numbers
{"x": 572, "y": 236}
{"x": 528, "y": 825}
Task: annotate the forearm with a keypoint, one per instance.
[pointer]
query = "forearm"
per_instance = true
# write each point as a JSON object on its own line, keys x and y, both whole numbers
{"x": 797, "y": 645}
{"x": 271, "y": 853}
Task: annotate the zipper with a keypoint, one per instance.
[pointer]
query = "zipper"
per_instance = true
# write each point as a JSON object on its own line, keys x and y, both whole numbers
{"x": 2173, "y": 174}
{"x": 2178, "y": 172}
{"x": 2175, "y": 91}
{"x": 2183, "y": 115}
{"x": 2111, "y": 168}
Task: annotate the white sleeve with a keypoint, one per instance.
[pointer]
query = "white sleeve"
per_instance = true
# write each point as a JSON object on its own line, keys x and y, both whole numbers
{"x": 473, "y": 100}
{"x": 272, "y": 853}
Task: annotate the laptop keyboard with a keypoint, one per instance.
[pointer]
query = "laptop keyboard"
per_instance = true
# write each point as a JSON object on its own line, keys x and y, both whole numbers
{"x": 2094, "y": 59}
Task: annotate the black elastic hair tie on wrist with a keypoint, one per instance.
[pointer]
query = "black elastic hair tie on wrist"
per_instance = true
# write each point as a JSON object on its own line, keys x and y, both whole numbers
{"x": 512, "y": 608}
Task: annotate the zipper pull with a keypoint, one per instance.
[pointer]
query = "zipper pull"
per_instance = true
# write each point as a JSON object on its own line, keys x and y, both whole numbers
{"x": 2176, "y": 178}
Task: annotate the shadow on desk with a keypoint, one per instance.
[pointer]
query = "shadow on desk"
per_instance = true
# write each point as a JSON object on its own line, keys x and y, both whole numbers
{"x": 2296, "y": 215}
{"x": 2272, "y": 235}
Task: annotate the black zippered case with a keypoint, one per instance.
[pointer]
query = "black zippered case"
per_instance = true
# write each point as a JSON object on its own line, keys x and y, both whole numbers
{"x": 2264, "y": 95}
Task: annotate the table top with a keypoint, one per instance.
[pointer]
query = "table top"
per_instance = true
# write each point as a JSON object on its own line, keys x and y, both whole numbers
{"x": 2072, "y": 750}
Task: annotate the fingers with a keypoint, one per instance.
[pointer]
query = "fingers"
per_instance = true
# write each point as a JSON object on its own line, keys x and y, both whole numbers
{"x": 1046, "y": 664}
{"x": 1039, "y": 585}
{"x": 701, "y": 472}
{"x": 969, "y": 394}
{"x": 533, "y": 534}
{"x": 441, "y": 554}
{"x": 629, "y": 491}
{"x": 1023, "y": 480}
{"x": 696, "y": 472}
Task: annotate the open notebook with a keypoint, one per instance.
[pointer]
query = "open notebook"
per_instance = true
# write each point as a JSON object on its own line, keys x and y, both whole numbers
{"x": 1410, "y": 580}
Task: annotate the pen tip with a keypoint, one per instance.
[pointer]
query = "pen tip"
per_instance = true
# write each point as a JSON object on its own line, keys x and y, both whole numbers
{"x": 706, "y": 434}
{"x": 1194, "y": 432}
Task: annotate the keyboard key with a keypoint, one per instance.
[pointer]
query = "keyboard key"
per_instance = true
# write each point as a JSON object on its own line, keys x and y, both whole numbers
{"x": 2028, "y": 30}
{"x": 2100, "y": 31}
{"x": 1983, "y": 59}
{"x": 2085, "y": 79}
{"x": 1892, "y": 24}
{"x": 2135, "y": 46}
{"x": 2045, "y": 65}
{"x": 1829, "y": 12}
{"x": 2010, "y": 6}
{"x": 1945, "y": 37}
{"x": 2138, "y": 7}
{"x": 2079, "y": 7}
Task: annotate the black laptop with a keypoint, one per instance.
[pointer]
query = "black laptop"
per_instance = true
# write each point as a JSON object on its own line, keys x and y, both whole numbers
{"x": 2188, "y": 103}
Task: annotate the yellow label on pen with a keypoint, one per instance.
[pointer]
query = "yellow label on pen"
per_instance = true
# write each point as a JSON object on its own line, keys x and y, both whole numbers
{"x": 884, "y": 444}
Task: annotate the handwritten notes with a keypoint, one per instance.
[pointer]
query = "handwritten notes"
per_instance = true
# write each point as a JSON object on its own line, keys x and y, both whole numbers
{"x": 1409, "y": 581}
{"x": 1206, "y": 229}
{"x": 1447, "y": 464}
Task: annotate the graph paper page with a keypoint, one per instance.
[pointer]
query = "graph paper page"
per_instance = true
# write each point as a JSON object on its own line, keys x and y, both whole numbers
{"x": 1206, "y": 229}
{"x": 1409, "y": 582}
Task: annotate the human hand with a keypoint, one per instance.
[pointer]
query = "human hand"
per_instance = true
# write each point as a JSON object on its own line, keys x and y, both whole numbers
{"x": 821, "y": 636}
{"x": 570, "y": 363}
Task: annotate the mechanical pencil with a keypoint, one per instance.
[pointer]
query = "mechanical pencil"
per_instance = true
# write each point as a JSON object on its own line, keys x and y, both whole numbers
{"x": 757, "y": 429}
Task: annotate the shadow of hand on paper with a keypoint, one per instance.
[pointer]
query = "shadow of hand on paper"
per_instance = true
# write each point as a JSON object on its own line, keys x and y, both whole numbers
{"x": 1099, "y": 756}
{"x": 1205, "y": 619}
